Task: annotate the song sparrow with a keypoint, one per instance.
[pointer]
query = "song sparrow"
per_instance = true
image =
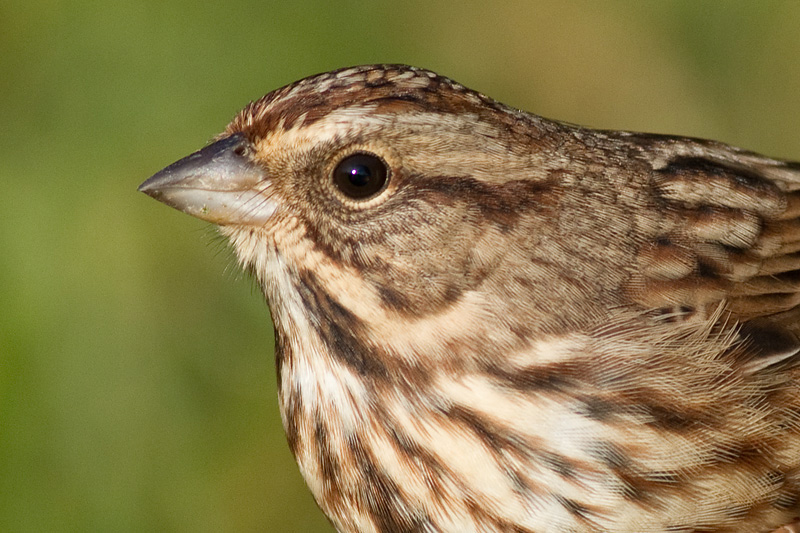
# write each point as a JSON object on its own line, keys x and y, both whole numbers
{"x": 490, "y": 321}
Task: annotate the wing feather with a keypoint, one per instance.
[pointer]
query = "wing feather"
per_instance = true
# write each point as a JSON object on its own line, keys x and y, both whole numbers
{"x": 730, "y": 235}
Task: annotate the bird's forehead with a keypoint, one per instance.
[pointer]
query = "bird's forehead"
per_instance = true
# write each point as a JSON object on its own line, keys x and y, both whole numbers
{"x": 350, "y": 95}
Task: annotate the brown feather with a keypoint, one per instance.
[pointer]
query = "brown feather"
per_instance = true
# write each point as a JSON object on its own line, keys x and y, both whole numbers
{"x": 532, "y": 326}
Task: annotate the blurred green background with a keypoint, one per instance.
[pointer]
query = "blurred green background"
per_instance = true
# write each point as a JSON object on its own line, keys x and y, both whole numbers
{"x": 137, "y": 385}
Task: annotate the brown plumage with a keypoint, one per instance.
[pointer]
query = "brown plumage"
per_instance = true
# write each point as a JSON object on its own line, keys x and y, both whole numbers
{"x": 490, "y": 321}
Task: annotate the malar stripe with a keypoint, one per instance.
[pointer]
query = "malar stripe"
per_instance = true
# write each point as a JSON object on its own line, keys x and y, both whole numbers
{"x": 291, "y": 397}
{"x": 339, "y": 329}
{"x": 328, "y": 462}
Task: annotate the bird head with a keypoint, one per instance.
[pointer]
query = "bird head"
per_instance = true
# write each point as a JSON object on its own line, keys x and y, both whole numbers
{"x": 399, "y": 177}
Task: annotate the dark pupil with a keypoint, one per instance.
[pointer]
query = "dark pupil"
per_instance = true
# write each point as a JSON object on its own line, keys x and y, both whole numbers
{"x": 360, "y": 175}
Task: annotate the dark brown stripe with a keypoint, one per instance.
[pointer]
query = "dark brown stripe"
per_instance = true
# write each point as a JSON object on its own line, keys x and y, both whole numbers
{"x": 482, "y": 516}
{"x": 740, "y": 451}
{"x": 673, "y": 419}
{"x": 367, "y": 84}
{"x": 640, "y": 486}
{"x": 384, "y": 501}
{"x": 293, "y": 411}
{"x": 340, "y": 330}
{"x": 610, "y": 454}
{"x": 488, "y": 433}
{"x": 501, "y": 442}
{"x": 658, "y": 409}
{"x": 292, "y": 398}
{"x": 694, "y": 166}
{"x": 596, "y": 408}
{"x": 326, "y": 455}
{"x": 499, "y": 439}
{"x": 329, "y": 466}
{"x": 764, "y": 339}
{"x": 577, "y": 509}
{"x": 558, "y": 464}
{"x": 544, "y": 378}
{"x": 521, "y": 486}
{"x": 416, "y": 453}
{"x": 500, "y": 204}
{"x": 393, "y": 298}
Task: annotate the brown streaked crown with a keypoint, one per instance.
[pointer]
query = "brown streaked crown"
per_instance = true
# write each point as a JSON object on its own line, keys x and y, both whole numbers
{"x": 393, "y": 88}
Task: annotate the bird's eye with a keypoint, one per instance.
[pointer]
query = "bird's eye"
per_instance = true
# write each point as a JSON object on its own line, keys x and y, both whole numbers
{"x": 361, "y": 176}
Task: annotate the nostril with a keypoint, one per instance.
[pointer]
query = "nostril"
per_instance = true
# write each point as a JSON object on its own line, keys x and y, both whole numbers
{"x": 240, "y": 150}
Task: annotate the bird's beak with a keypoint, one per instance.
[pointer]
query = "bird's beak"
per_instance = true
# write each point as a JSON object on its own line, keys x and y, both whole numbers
{"x": 219, "y": 184}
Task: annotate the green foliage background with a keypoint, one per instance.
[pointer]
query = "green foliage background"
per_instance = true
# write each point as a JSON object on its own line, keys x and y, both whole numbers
{"x": 137, "y": 386}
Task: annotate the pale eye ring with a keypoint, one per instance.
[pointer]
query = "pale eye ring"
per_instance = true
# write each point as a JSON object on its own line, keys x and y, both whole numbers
{"x": 361, "y": 176}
